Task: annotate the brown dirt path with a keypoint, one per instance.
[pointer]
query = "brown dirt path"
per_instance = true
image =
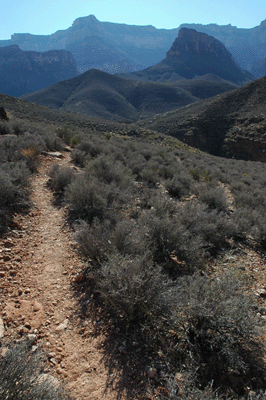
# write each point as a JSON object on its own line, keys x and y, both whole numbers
{"x": 38, "y": 264}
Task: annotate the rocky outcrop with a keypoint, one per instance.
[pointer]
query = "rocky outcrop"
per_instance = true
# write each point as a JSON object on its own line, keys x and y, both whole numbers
{"x": 3, "y": 114}
{"x": 27, "y": 71}
{"x": 196, "y": 55}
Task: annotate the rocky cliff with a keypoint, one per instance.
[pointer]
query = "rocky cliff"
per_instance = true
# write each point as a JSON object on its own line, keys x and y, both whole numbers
{"x": 195, "y": 55}
{"x": 27, "y": 71}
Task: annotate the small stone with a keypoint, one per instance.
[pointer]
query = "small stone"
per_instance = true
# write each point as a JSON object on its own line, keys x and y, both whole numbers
{"x": 63, "y": 325}
{"x": 27, "y": 291}
{"x": 80, "y": 278}
{"x": 55, "y": 154}
{"x": 27, "y": 325}
{"x": 32, "y": 337}
{"x": 151, "y": 372}
{"x": 53, "y": 361}
{"x": 2, "y": 274}
{"x": 6, "y": 257}
{"x": 122, "y": 349}
{"x": 261, "y": 293}
{"x": 8, "y": 243}
{"x": 60, "y": 371}
{"x": 2, "y": 329}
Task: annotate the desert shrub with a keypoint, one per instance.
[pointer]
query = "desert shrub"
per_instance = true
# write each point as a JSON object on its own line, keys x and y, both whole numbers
{"x": 212, "y": 227}
{"x": 213, "y": 196}
{"x": 5, "y": 128}
{"x": 60, "y": 177}
{"x": 107, "y": 170}
{"x": 179, "y": 185}
{"x": 217, "y": 327}
{"x": 66, "y": 133}
{"x": 149, "y": 176}
{"x": 18, "y": 172}
{"x": 31, "y": 154}
{"x": 94, "y": 241}
{"x": 78, "y": 157}
{"x": 134, "y": 288}
{"x": 22, "y": 377}
{"x": 51, "y": 140}
{"x": 91, "y": 148}
{"x": 87, "y": 199}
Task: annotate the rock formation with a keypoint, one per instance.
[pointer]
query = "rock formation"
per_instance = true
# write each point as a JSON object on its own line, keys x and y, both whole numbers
{"x": 27, "y": 71}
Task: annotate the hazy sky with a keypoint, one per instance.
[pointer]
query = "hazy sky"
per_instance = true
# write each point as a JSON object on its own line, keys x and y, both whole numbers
{"x": 44, "y": 17}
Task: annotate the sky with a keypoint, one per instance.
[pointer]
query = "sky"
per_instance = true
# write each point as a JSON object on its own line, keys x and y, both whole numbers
{"x": 43, "y": 17}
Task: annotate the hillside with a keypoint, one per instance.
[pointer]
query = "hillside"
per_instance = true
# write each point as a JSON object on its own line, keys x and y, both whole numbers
{"x": 131, "y": 260}
{"x": 98, "y": 94}
{"x": 231, "y": 124}
{"x": 27, "y": 71}
{"x": 194, "y": 55}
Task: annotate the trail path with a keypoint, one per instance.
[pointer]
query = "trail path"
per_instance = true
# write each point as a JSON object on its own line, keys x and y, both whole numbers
{"x": 38, "y": 263}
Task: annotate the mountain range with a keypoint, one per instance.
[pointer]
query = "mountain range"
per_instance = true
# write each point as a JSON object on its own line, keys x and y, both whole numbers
{"x": 190, "y": 67}
{"x": 27, "y": 71}
{"x": 121, "y": 48}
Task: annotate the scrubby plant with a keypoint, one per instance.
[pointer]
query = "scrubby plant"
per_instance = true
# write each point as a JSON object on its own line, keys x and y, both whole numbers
{"x": 88, "y": 199}
{"x": 22, "y": 376}
{"x": 60, "y": 177}
{"x": 217, "y": 327}
{"x": 135, "y": 289}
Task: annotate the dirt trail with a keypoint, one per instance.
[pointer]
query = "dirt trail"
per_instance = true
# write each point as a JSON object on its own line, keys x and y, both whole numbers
{"x": 38, "y": 264}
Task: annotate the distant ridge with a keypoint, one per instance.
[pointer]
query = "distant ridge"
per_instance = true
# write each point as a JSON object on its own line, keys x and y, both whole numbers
{"x": 121, "y": 48}
{"x": 192, "y": 56}
{"x": 27, "y": 71}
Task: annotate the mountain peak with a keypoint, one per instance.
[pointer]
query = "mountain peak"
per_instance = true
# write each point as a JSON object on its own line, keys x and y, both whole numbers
{"x": 84, "y": 20}
{"x": 193, "y": 43}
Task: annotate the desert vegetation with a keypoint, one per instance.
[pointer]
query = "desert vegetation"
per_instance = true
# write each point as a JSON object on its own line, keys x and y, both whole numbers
{"x": 150, "y": 218}
{"x": 22, "y": 375}
{"x": 20, "y": 147}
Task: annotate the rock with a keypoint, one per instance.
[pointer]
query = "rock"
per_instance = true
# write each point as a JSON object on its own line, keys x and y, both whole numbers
{"x": 32, "y": 337}
{"x": 8, "y": 243}
{"x": 49, "y": 380}
{"x": 61, "y": 371}
{"x": 80, "y": 278}
{"x": 3, "y": 114}
{"x": 2, "y": 274}
{"x": 261, "y": 293}
{"x": 2, "y": 329}
{"x": 62, "y": 326}
{"x": 55, "y": 154}
{"x": 122, "y": 349}
{"x": 6, "y": 257}
{"x": 151, "y": 372}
